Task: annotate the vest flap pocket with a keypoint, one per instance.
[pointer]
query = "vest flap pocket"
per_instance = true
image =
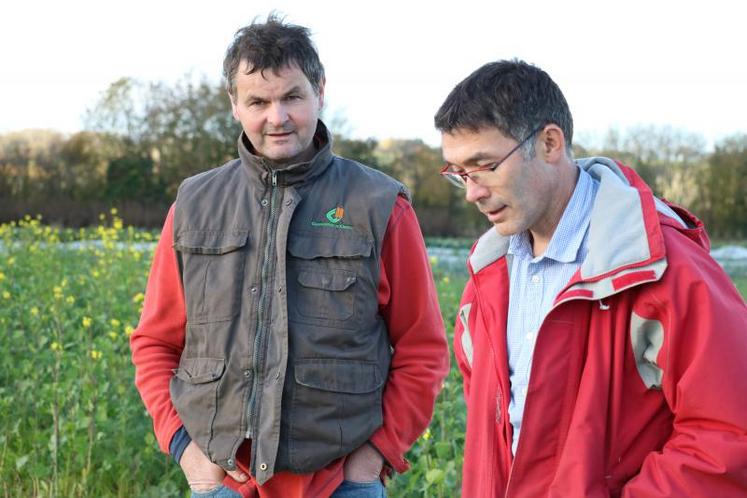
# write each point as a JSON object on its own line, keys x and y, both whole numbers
{"x": 210, "y": 241}
{"x": 200, "y": 370}
{"x": 342, "y": 376}
{"x": 342, "y": 246}
{"x": 338, "y": 281}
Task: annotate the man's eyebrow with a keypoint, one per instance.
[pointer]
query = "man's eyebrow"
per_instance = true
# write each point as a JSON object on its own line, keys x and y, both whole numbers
{"x": 295, "y": 89}
{"x": 257, "y": 98}
{"x": 254, "y": 98}
{"x": 474, "y": 159}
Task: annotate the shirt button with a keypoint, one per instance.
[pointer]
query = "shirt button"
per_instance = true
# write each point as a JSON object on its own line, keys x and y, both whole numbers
{"x": 263, "y": 466}
{"x": 264, "y": 202}
{"x": 535, "y": 279}
{"x": 254, "y": 290}
{"x": 247, "y": 373}
{"x": 230, "y": 462}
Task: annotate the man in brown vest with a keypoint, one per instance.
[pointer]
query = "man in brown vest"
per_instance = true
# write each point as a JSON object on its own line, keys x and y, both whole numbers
{"x": 291, "y": 343}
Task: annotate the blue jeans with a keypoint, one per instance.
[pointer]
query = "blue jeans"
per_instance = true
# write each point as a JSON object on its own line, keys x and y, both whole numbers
{"x": 350, "y": 489}
{"x": 219, "y": 492}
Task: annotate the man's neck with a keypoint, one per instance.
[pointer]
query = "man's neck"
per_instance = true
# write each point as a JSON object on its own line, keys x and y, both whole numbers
{"x": 540, "y": 237}
{"x": 304, "y": 157}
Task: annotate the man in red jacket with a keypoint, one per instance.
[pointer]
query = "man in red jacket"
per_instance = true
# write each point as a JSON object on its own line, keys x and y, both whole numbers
{"x": 603, "y": 350}
{"x": 291, "y": 343}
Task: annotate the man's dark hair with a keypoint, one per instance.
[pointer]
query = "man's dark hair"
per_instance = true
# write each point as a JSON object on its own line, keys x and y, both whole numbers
{"x": 511, "y": 95}
{"x": 272, "y": 45}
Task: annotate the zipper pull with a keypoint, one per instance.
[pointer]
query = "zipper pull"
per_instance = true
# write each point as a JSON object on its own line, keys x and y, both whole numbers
{"x": 274, "y": 178}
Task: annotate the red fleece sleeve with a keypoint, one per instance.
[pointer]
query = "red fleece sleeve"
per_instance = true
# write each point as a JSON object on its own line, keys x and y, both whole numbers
{"x": 420, "y": 361}
{"x": 158, "y": 341}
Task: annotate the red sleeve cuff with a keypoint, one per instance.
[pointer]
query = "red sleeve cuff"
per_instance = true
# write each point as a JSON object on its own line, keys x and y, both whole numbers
{"x": 395, "y": 459}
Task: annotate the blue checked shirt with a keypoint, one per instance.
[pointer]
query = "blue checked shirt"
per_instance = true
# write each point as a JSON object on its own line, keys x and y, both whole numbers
{"x": 536, "y": 281}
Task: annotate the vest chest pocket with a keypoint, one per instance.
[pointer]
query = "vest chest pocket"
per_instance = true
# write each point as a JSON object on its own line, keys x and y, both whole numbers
{"x": 325, "y": 279}
{"x": 212, "y": 264}
{"x": 318, "y": 296}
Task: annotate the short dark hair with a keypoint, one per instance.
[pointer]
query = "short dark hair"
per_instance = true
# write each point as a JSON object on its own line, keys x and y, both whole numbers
{"x": 511, "y": 95}
{"x": 272, "y": 45}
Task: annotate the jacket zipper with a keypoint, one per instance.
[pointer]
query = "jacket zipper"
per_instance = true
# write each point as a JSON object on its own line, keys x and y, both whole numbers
{"x": 268, "y": 266}
{"x": 554, "y": 306}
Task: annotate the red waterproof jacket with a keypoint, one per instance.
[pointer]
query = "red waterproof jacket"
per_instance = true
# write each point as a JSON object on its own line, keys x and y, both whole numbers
{"x": 638, "y": 386}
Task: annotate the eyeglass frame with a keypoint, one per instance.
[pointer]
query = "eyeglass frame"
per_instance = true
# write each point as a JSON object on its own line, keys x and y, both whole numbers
{"x": 460, "y": 179}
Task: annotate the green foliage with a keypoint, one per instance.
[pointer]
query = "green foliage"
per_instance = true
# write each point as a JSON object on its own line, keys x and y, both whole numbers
{"x": 131, "y": 177}
{"x": 70, "y": 418}
{"x": 363, "y": 151}
{"x": 184, "y": 128}
{"x": 167, "y": 132}
{"x": 71, "y": 422}
{"x": 724, "y": 189}
{"x": 741, "y": 284}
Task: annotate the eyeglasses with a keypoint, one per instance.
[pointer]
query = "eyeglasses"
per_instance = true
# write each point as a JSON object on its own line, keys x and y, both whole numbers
{"x": 459, "y": 178}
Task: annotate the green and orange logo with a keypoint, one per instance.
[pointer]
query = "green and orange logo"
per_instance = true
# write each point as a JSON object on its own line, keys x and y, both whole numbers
{"x": 334, "y": 217}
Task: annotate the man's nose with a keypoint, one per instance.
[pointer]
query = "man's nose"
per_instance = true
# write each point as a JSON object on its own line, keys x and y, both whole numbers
{"x": 474, "y": 192}
{"x": 277, "y": 115}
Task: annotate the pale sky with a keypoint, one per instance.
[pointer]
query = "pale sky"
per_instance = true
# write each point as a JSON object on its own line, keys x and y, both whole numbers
{"x": 390, "y": 64}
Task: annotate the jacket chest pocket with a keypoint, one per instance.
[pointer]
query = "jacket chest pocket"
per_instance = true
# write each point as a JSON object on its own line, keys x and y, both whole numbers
{"x": 326, "y": 279}
{"x": 212, "y": 264}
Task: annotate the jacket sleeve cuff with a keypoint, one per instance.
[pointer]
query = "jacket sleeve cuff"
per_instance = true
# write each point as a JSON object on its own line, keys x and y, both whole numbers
{"x": 179, "y": 442}
{"x": 392, "y": 458}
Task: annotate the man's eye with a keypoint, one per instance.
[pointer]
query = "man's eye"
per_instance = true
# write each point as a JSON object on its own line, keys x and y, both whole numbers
{"x": 293, "y": 97}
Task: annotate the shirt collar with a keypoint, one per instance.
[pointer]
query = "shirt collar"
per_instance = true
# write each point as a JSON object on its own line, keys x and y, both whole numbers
{"x": 569, "y": 234}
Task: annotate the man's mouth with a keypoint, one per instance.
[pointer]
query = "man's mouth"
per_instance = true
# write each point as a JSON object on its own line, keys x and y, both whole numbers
{"x": 279, "y": 134}
{"x": 493, "y": 214}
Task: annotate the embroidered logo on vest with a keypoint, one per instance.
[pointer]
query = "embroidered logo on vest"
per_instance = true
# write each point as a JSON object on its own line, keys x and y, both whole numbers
{"x": 334, "y": 217}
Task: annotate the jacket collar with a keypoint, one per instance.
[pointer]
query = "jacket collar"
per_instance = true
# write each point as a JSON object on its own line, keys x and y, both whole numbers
{"x": 626, "y": 245}
{"x": 260, "y": 168}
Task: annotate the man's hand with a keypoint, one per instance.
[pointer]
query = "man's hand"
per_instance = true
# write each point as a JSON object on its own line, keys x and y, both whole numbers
{"x": 201, "y": 473}
{"x": 363, "y": 465}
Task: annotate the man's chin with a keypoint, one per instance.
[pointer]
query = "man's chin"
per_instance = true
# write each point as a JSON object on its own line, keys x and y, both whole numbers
{"x": 281, "y": 157}
{"x": 504, "y": 229}
{"x": 288, "y": 155}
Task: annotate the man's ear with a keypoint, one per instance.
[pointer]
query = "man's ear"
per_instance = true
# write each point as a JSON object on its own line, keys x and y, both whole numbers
{"x": 234, "y": 109}
{"x": 321, "y": 92}
{"x": 552, "y": 143}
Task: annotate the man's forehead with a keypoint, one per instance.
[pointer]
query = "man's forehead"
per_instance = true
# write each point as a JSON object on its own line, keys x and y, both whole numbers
{"x": 284, "y": 79}
{"x": 291, "y": 69}
{"x": 465, "y": 145}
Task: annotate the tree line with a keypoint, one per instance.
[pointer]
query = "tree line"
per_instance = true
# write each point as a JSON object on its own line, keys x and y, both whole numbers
{"x": 141, "y": 139}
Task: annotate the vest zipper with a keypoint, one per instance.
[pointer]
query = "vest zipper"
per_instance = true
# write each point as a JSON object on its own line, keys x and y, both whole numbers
{"x": 260, "y": 338}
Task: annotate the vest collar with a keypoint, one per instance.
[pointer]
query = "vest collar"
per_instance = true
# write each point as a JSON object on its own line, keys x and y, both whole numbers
{"x": 259, "y": 168}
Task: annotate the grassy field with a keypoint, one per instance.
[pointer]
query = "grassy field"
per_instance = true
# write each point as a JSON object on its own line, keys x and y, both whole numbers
{"x": 71, "y": 421}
